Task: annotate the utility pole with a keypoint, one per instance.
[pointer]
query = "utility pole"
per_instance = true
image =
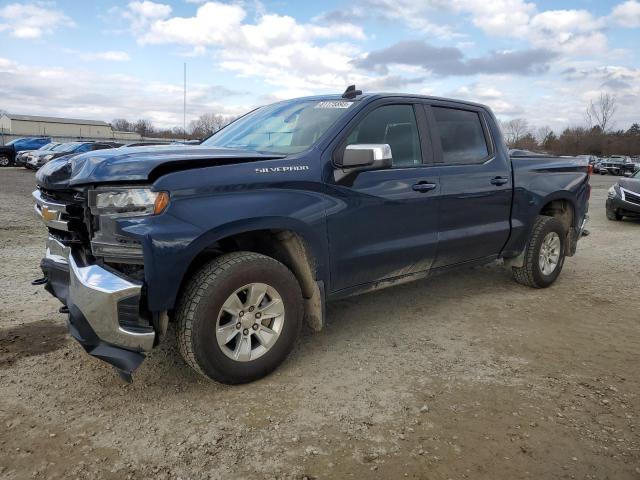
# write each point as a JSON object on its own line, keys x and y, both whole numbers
{"x": 184, "y": 108}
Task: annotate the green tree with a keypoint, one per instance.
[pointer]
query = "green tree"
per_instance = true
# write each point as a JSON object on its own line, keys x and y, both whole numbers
{"x": 634, "y": 129}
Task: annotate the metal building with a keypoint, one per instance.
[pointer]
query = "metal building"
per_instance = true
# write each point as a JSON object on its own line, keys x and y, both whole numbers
{"x": 31, "y": 125}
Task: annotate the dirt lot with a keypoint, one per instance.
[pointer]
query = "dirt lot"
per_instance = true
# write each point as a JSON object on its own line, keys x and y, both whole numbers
{"x": 467, "y": 375}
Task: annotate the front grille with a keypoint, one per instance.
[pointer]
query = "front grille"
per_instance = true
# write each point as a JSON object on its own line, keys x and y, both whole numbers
{"x": 631, "y": 197}
{"x": 74, "y": 215}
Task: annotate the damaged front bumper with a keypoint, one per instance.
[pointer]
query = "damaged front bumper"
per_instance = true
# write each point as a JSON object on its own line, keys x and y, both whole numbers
{"x": 99, "y": 302}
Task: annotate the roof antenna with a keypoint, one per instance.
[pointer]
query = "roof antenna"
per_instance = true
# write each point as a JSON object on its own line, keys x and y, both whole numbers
{"x": 351, "y": 92}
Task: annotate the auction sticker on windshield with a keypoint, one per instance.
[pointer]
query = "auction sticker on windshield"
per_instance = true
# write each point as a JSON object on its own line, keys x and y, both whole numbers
{"x": 333, "y": 104}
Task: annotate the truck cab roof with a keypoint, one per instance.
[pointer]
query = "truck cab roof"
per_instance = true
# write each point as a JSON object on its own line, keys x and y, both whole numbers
{"x": 371, "y": 96}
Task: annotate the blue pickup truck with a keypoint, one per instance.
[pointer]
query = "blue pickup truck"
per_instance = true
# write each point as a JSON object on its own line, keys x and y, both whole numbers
{"x": 244, "y": 238}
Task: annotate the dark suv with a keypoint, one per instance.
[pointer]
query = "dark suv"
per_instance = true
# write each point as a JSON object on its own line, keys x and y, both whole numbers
{"x": 9, "y": 151}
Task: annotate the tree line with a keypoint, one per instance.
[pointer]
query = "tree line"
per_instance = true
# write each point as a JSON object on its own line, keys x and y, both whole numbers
{"x": 596, "y": 137}
{"x": 199, "y": 128}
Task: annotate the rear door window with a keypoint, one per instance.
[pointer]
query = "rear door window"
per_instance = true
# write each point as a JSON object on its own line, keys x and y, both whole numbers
{"x": 462, "y": 136}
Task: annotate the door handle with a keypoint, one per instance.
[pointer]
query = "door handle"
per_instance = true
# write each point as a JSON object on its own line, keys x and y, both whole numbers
{"x": 499, "y": 180}
{"x": 423, "y": 187}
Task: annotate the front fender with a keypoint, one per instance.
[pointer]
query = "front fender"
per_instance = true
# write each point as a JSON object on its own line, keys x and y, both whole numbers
{"x": 191, "y": 224}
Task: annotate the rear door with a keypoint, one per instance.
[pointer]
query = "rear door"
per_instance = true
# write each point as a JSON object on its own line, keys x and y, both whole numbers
{"x": 384, "y": 224}
{"x": 476, "y": 185}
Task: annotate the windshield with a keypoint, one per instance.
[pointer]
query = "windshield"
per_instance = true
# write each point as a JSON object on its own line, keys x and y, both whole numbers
{"x": 48, "y": 146}
{"x": 281, "y": 128}
{"x": 68, "y": 147}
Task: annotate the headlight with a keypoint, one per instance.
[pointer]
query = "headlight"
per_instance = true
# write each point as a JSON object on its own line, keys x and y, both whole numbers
{"x": 128, "y": 202}
{"x": 108, "y": 205}
{"x": 612, "y": 191}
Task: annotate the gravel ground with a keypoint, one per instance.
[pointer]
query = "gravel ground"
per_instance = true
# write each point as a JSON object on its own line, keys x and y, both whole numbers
{"x": 466, "y": 375}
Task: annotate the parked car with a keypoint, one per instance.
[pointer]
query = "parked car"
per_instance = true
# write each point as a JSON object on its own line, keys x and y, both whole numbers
{"x": 38, "y": 158}
{"x": 295, "y": 204}
{"x": 591, "y": 159}
{"x": 616, "y": 165}
{"x": 596, "y": 166}
{"x": 9, "y": 151}
{"x": 142, "y": 144}
{"x": 623, "y": 198}
{"x": 635, "y": 161}
{"x": 21, "y": 158}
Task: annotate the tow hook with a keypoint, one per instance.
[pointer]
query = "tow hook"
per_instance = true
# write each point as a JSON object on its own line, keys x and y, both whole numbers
{"x": 40, "y": 281}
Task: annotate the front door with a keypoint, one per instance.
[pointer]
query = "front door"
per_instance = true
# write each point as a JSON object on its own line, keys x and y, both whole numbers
{"x": 385, "y": 222}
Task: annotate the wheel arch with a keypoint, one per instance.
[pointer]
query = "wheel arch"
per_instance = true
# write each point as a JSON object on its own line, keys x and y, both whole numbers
{"x": 290, "y": 242}
{"x": 562, "y": 208}
{"x": 560, "y": 205}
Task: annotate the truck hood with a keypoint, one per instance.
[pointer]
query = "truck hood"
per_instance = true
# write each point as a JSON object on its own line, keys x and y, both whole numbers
{"x": 136, "y": 164}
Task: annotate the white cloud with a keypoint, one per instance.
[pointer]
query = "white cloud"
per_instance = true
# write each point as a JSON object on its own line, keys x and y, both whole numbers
{"x": 627, "y": 14}
{"x": 570, "y": 31}
{"x": 31, "y": 21}
{"x": 141, "y": 14}
{"x": 213, "y": 24}
{"x": 82, "y": 93}
{"x": 230, "y": 29}
{"x": 566, "y": 31}
{"x": 276, "y": 47}
{"x": 111, "y": 56}
{"x": 489, "y": 95}
{"x": 498, "y": 17}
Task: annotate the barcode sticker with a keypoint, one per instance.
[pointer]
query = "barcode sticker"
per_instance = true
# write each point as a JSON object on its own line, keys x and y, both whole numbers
{"x": 333, "y": 104}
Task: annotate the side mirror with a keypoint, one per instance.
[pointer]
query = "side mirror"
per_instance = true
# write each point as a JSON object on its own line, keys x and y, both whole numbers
{"x": 366, "y": 156}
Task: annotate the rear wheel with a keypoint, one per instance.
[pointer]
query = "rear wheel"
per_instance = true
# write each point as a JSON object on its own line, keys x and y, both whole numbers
{"x": 239, "y": 317}
{"x": 544, "y": 254}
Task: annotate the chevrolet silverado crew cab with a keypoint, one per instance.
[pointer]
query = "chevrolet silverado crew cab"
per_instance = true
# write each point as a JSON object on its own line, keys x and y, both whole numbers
{"x": 243, "y": 238}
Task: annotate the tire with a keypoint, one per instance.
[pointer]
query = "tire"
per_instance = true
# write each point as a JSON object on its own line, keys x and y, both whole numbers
{"x": 531, "y": 273}
{"x": 4, "y": 161}
{"x": 200, "y": 317}
{"x": 613, "y": 215}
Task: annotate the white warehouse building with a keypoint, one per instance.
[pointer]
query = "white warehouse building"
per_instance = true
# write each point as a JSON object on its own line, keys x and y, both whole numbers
{"x": 31, "y": 125}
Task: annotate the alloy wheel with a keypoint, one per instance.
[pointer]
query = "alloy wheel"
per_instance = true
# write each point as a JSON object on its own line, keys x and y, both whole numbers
{"x": 549, "y": 253}
{"x": 250, "y": 322}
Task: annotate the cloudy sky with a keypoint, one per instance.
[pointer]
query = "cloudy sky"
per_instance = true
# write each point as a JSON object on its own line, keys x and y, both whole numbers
{"x": 104, "y": 59}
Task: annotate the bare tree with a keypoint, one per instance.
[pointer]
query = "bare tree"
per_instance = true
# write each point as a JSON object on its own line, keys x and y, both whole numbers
{"x": 600, "y": 113}
{"x": 121, "y": 125}
{"x": 514, "y": 130}
{"x": 144, "y": 127}
{"x": 542, "y": 134}
{"x": 206, "y": 124}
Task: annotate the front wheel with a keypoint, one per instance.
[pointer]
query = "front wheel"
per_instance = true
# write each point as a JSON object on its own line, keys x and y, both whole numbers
{"x": 544, "y": 254}
{"x": 4, "y": 161}
{"x": 239, "y": 317}
{"x": 613, "y": 215}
